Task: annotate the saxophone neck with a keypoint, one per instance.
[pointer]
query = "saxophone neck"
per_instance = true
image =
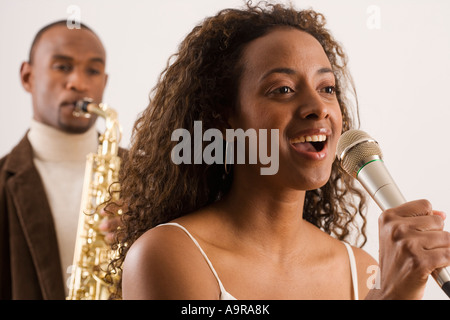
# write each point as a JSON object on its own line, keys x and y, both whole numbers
{"x": 110, "y": 138}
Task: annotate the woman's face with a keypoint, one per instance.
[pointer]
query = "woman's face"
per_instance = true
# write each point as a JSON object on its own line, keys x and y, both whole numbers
{"x": 288, "y": 84}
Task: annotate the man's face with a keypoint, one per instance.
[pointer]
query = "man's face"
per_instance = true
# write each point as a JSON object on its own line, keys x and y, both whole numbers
{"x": 67, "y": 65}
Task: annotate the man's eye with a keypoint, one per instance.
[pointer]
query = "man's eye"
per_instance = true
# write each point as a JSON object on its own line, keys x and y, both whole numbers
{"x": 63, "y": 67}
{"x": 93, "y": 71}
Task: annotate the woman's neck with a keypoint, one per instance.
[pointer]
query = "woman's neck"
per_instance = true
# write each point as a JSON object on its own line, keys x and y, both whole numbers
{"x": 265, "y": 213}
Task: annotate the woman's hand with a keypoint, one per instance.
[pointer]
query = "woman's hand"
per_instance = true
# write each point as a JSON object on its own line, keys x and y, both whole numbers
{"x": 412, "y": 245}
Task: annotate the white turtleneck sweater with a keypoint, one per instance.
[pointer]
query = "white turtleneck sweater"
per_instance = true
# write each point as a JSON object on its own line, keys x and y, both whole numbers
{"x": 60, "y": 159}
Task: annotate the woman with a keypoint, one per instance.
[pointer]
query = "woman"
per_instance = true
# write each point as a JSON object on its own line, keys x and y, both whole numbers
{"x": 221, "y": 231}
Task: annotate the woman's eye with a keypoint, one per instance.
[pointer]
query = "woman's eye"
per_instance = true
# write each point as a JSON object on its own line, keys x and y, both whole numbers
{"x": 329, "y": 90}
{"x": 283, "y": 90}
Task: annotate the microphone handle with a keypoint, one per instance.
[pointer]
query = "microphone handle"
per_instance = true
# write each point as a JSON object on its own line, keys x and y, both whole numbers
{"x": 374, "y": 174}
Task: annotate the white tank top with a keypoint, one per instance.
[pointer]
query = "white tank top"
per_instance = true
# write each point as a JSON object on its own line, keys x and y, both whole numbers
{"x": 225, "y": 295}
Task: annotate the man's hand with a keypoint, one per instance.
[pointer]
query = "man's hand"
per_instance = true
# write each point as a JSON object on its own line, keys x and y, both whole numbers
{"x": 111, "y": 221}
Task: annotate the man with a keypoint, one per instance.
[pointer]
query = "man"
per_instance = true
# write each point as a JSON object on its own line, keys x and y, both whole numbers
{"x": 41, "y": 179}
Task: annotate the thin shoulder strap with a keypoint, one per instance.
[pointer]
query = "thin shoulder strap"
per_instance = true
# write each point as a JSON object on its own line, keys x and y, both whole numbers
{"x": 353, "y": 270}
{"x": 222, "y": 289}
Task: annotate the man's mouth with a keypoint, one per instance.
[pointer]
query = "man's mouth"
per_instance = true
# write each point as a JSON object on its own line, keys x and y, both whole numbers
{"x": 69, "y": 104}
{"x": 72, "y": 102}
{"x": 310, "y": 143}
{"x": 72, "y": 105}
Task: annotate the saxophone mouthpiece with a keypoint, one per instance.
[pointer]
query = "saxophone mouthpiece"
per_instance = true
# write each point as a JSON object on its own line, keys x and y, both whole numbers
{"x": 82, "y": 104}
{"x": 81, "y": 108}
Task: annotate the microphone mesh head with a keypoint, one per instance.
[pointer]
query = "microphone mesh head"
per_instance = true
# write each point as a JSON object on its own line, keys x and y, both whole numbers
{"x": 354, "y": 146}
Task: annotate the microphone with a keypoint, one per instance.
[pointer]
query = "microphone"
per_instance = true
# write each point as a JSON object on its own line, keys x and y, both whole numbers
{"x": 361, "y": 157}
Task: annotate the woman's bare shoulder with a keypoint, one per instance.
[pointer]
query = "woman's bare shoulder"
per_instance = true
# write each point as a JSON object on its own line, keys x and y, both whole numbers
{"x": 366, "y": 265}
{"x": 164, "y": 263}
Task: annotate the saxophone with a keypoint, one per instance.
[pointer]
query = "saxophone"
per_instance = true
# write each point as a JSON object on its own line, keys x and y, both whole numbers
{"x": 89, "y": 279}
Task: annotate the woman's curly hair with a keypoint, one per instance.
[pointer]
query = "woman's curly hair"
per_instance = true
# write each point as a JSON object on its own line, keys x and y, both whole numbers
{"x": 200, "y": 82}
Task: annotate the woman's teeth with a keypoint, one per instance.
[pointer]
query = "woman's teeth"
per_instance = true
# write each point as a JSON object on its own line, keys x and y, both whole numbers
{"x": 313, "y": 138}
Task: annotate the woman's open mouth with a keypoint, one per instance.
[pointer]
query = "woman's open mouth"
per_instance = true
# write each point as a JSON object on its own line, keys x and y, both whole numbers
{"x": 313, "y": 143}
{"x": 313, "y": 146}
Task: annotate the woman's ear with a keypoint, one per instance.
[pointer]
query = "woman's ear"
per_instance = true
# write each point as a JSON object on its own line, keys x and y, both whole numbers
{"x": 231, "y": 120}
{"x": 229, "y": 123}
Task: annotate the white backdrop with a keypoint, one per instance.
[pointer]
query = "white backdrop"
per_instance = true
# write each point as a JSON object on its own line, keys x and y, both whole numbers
{"x": 399, "y": 53}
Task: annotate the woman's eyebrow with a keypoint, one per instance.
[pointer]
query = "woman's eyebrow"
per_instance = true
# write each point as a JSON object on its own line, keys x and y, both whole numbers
{"x": 292, "y": 71}
{"x": 278, "y": 70}
{"x": 325, "y": 70}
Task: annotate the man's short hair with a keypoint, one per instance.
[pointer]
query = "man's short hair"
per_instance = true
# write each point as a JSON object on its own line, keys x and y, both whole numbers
{"x": 39, "y": 34}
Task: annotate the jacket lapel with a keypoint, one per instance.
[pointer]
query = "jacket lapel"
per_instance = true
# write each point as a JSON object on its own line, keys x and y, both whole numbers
{"x": 34, "y": 215}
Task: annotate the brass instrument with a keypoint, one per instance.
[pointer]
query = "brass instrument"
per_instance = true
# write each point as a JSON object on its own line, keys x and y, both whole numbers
{"x": 92, "y": 254}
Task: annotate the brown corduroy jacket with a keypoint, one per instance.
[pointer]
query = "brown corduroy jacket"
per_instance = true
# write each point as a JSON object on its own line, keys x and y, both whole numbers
{"x": 30, "y": 267}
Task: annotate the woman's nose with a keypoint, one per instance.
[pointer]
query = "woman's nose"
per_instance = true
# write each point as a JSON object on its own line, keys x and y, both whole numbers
{"x": 312, "y": 106}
